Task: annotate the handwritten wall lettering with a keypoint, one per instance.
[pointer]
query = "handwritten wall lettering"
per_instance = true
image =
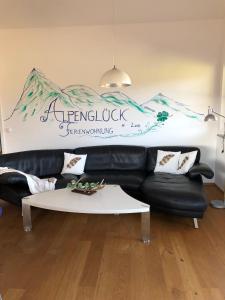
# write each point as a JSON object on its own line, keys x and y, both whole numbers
{"x": 72, "y": 116}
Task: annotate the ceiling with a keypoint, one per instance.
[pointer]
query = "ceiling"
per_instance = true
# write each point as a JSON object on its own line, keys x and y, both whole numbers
{"x": 40, "y": 13}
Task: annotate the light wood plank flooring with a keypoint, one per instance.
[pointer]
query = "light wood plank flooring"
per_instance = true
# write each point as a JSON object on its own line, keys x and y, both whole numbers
{"x": 75, "y": 256}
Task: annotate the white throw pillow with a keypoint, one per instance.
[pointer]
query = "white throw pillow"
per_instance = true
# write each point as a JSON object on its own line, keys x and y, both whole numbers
{"x": 167, "y": 162}
{"x": 186, "y": 161}
{"x": 74, "y": 163}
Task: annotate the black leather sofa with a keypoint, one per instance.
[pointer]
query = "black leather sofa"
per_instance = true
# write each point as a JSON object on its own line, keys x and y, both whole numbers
{"x": 132, "y": 167}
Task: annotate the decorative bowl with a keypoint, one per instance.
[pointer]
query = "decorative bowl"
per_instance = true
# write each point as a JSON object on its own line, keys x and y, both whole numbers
{"x": 87, "y": 188}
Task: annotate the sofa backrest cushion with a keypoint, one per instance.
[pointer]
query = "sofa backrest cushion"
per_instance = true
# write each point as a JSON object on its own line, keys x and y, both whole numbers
{"x": 42, "y": 163}
{"x": 114, "y": 157}
{"x": 152, "y": 154}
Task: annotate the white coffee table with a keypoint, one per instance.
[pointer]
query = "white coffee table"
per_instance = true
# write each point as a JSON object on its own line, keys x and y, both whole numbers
{"x": 109, "y": 200}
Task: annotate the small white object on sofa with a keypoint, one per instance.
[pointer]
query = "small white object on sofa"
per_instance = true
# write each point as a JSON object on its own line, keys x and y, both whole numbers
{"x": 74, "y": 163}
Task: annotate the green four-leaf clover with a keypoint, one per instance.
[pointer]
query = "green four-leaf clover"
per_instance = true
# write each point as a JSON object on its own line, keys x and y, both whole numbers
{"x": 162, "y": 116}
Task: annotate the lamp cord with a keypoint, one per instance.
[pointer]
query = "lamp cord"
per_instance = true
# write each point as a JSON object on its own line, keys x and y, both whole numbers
{"x": 223, "y": 145}
{"x": 114, "y": 30}
{"x": 223, "y": 141}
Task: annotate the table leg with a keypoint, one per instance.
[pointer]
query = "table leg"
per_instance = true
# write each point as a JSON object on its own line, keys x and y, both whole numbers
{"x": 145, "y": 227}
{"x": 27, "y": 225}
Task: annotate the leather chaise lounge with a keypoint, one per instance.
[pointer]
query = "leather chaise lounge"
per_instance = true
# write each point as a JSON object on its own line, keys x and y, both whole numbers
{"x": 131, "y": 167}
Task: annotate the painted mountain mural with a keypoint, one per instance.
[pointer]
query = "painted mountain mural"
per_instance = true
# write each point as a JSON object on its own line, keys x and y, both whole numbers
{"x": 170, "y": 105}
{"x": 39, "y": 92}
{"x": 79, "y": 105}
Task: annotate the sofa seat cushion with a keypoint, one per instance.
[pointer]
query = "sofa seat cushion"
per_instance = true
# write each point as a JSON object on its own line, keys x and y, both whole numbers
{"x": 16, "y": 179}
{"x": 173, "y": 191}
{"x": 15, "y": 192}
{"x": 124, "y": 178}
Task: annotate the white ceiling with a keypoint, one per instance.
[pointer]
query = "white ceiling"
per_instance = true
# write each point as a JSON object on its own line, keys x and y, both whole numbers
{"x": 40, "y": 13}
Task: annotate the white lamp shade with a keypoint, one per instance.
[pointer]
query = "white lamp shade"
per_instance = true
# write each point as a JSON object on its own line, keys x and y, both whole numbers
{"x": 115, "y": 78}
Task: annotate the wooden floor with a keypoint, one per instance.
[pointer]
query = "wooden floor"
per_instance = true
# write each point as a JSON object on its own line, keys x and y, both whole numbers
{"x": 75, "y": 256}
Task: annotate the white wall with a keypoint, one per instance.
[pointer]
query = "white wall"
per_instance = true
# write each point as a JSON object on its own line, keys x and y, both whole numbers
{"x": 179, "y": 59}
{"x": 220, "y": 157}
{"x": 220, "y": 165}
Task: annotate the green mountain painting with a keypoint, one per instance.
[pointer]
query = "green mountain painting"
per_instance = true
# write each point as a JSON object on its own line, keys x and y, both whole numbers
{"x": 44, "y": 99}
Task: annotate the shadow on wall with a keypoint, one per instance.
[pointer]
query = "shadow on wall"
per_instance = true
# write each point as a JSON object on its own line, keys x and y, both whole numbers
{"x": 178, "y": 56}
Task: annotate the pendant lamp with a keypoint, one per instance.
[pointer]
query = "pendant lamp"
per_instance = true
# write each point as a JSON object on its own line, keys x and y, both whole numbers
{"x": 115, "y": 77}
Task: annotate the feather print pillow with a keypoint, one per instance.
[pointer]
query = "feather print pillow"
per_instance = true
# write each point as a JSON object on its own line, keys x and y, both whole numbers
{"x": 186, "y": 161}
{"x": 167, "y": 162}
{"x": 74, "y": 163}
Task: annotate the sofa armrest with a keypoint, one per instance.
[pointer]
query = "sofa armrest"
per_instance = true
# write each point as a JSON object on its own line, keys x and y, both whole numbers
{"x": 12, "y": 178}
{"x": 201, "y": 169}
